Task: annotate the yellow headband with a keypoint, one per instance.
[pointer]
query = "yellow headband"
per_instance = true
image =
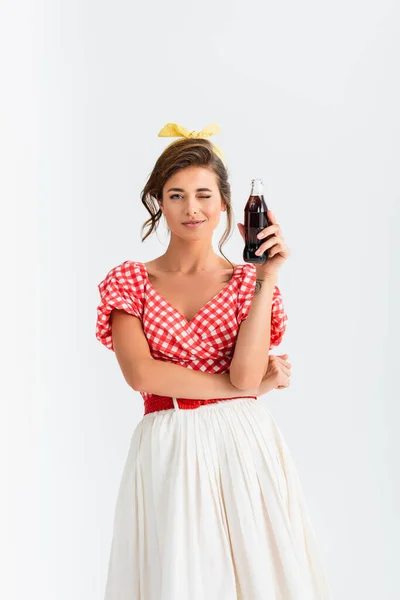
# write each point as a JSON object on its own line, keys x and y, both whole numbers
{"x": 175, "y": 130}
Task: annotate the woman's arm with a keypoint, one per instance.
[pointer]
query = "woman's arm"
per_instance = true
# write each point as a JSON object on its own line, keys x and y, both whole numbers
{"x": 251, "y": 355}
{"x": 169, "y": 379}
{"x": 145, "y": 374}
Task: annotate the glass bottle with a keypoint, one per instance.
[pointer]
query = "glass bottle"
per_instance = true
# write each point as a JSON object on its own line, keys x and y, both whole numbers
{"x": 255, "y": 220}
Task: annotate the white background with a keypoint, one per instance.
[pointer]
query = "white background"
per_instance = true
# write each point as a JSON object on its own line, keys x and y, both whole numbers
{"x": 307, "y": 96}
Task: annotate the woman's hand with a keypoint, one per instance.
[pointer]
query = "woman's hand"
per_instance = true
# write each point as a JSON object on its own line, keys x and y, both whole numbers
{"x": 277, "y": 375}
{"x": 279, "y": 251}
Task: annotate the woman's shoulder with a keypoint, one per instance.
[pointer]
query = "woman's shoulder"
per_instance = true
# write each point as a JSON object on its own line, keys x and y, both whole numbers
{"x": 246, "y": 273}
{"x": 128, "y": 270}
{"x": 242, "y": 270}
{"x": 127, "y": 276}
{"x": 121, "y": 289}
{"x": 247, "y": 268}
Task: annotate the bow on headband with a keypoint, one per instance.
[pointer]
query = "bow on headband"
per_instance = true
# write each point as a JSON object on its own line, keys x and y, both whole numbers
{"x": 175, "y": 130}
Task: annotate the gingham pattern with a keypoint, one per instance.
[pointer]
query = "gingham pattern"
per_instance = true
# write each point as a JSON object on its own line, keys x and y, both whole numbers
{"x": 206, "y": 343}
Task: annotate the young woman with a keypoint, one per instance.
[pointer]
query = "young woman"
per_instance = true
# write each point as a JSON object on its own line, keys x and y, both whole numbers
{"x": 210, "y": 506}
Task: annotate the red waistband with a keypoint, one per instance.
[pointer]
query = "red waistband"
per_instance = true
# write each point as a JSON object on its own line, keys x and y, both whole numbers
{"x": 154, "y": 403}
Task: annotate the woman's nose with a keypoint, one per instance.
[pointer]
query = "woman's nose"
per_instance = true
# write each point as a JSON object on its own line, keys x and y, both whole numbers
{"x": 192, "y": 207}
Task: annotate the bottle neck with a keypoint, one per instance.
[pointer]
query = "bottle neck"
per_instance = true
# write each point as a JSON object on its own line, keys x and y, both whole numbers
{"x": 256, "y": 187}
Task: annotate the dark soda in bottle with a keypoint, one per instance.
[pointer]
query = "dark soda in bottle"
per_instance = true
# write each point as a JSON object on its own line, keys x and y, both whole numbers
{"x": 255, "y": 220}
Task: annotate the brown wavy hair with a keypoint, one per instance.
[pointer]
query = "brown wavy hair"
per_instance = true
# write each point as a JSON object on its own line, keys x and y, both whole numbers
{"x": 181, "y": 154}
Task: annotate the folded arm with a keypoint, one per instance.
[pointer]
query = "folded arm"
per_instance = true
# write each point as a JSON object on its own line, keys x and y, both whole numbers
{"x": 144, "y": 373}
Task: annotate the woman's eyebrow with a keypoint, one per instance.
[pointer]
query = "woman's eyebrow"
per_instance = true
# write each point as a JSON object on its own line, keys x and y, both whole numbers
{"x": 181, "y": 190}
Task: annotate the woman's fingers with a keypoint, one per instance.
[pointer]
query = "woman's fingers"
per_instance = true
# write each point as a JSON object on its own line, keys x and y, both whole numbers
{"x": 274, "y": 241}
{"x": 270, "y": 230}
{"x": 285, "y": 370}
{"x": 282, "y": 361}
{"x": 284, "y": 365}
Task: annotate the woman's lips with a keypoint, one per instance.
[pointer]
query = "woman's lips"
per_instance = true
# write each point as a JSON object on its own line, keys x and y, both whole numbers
{"x": 193, "y": 225}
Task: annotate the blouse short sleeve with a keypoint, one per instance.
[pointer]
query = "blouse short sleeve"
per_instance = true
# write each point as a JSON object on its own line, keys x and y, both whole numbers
{"x": 122, "y": 289}
{"x": 245, "y": 296}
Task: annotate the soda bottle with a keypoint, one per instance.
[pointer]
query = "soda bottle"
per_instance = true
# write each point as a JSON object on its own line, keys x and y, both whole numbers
{"x": 255, "y": 220}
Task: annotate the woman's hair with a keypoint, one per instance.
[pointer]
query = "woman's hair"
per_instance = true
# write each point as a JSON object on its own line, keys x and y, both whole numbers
{"x": 192, "y": 152}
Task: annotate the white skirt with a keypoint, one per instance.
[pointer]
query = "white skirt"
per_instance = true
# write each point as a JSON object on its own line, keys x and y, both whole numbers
{"x": 210, "y": 507}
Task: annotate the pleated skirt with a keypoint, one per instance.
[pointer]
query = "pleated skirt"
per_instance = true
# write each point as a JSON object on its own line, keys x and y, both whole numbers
{"x": 210, "y": 507}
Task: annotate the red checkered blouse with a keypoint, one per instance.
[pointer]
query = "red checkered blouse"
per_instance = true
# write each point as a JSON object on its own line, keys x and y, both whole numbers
{"x": 206, "y": 343}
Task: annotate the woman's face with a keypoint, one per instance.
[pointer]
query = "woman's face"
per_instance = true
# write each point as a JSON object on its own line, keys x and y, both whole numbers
{"x": 192, "y": 194}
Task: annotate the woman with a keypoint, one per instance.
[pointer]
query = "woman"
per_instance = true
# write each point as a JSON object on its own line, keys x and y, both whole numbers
{"x": 210, "y": 506}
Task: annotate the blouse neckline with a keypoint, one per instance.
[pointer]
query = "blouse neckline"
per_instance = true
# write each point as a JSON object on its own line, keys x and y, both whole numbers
{"x": 203, "y": 308}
